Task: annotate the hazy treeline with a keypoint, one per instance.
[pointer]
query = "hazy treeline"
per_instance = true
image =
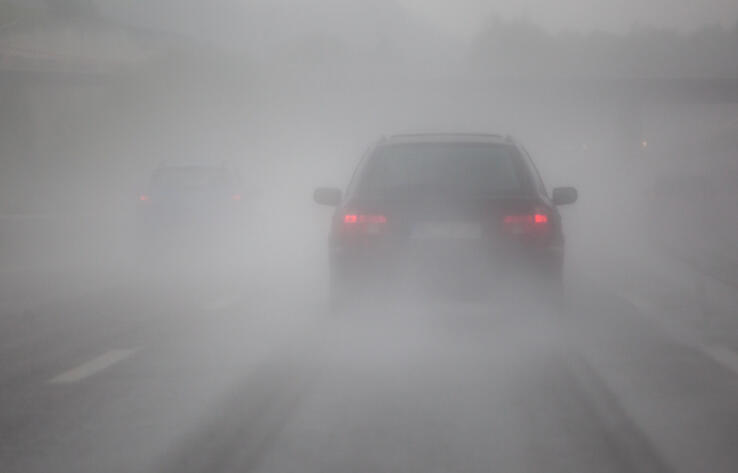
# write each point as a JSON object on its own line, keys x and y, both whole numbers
{"x": 383, "y": 34}
{"x": 519, "y": 47}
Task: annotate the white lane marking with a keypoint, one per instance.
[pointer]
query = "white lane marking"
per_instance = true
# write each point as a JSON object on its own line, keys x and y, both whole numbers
{"x": 721, "y": 355}
{"x": 222, "y": 303}
{"x": 93, "y": 366}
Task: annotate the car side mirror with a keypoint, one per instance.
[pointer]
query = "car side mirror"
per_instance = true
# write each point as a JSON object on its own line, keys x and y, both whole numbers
{"x": 330, "y": 196}
{"x": 564, "y": 195}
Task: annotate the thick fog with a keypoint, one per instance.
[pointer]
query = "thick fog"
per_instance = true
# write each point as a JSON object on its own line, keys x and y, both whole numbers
{"x": 292, "y": 93}
{"x": 634, "y": 104}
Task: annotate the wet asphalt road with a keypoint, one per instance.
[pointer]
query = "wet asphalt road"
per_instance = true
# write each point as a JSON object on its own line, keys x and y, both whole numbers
{"x": 195, "y": 374}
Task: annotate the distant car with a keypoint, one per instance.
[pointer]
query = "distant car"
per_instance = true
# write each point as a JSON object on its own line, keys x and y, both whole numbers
{"x": 444, "y": 211}
{"x": 194, "y": 204}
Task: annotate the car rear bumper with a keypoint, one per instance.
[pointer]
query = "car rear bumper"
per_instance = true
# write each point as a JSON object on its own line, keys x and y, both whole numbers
{"x": 458, "y": 270}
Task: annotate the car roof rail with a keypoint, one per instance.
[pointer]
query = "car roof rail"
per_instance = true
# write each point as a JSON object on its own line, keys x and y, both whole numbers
{"x": 507, "y": 138}
{"x": 421, "y": 134}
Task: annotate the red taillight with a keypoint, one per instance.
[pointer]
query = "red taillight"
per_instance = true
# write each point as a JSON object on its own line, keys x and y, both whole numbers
{"x": 526, "y": 219}
{"x": 236, "y": 197}
{"x": 526, "y": 224}
{"x": 364, "y": 218}
{"x": 144, "y": 198}
{"x": 363, "y": 223}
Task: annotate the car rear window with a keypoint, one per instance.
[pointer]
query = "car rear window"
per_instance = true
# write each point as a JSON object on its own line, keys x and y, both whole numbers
{"x": 191, "y": 178}
{"x": 448, "y": 168}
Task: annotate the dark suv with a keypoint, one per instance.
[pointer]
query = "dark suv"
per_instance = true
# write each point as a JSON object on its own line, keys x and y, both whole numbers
{"x": 444, "y": 212}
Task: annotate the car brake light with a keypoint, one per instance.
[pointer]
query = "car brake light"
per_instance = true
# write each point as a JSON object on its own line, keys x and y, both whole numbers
{"x": 363, "y": 223}
{"x": 144, "y": 198}
{"x": 236, "y": 197}
{"x": 535, "y": 223}
{"x": 364, "y": 218}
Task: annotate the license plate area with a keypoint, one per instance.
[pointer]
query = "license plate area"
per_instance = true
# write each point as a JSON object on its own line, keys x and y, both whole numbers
{"x": 456, "y": 231}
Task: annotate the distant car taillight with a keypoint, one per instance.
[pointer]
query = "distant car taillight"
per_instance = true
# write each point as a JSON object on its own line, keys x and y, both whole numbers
{"x": 364, "y": 218}
{"x": 236, "y": 197}
{"x": 144, "y": 198}
{"x": 527, "y": 224}
{"x": 364, "y": 224}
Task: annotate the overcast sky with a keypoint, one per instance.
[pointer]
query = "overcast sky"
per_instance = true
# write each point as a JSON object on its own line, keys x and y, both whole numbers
{"x": 464, "y": 17}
